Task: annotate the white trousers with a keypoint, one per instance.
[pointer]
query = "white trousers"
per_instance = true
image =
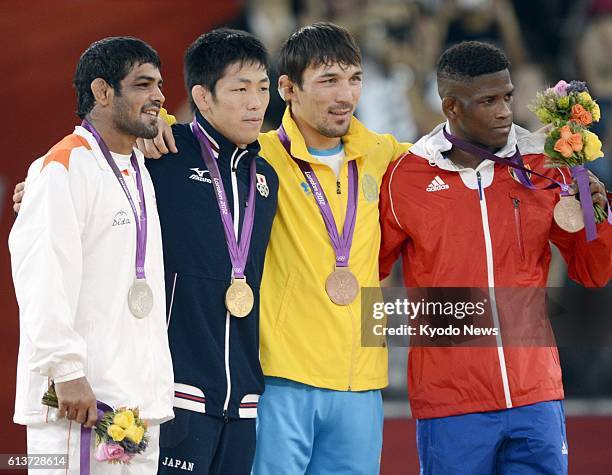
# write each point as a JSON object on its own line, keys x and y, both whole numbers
{"x": 64, "y": 437}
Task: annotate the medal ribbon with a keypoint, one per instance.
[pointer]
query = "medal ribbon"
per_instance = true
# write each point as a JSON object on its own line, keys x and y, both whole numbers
{"x": 578, "y": 172}
{"x": 238, "y": 252}
{"x": 85, "y": 449}
{"x": 141, "y": 222}
{"x": 341, "y": 244}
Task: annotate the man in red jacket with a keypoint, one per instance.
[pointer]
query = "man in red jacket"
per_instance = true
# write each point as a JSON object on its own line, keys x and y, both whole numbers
{"x": 459, "y": 220}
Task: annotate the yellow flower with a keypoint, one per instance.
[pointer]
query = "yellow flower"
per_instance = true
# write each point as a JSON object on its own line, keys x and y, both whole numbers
{"x": 543, "y": 115}
{"x": 124, "y": 419}
{"x": 116, "y": 432}
{"x": 596, "y": 113}
{"x": 592, "y": 146}
{"x": 564, "y": 102}
{"x": 135, "y": 433}
{"x": 168, "y": 118}
{"x": 585, "y": 97}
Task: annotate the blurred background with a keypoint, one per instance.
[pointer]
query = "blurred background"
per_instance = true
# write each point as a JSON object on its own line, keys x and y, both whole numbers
{"x": 545, "y": 40}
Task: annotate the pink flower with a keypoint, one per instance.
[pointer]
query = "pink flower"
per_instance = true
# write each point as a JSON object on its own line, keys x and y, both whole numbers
{"x": 106, "y": 452}
{"x": 561, "y": 88}
{"x": 126, "y": 458}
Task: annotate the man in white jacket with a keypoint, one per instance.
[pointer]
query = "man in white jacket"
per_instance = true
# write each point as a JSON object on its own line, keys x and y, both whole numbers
{"x": 87, "y": 265}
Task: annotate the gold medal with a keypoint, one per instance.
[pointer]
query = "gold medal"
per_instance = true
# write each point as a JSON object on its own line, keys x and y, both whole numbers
{"x": 342, "y": 286}
{"x": 239, "y": 298}
{"x": 568, "y": 214}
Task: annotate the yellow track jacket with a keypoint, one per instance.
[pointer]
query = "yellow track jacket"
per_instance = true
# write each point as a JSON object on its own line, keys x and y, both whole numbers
{"x": 304, "y": 336}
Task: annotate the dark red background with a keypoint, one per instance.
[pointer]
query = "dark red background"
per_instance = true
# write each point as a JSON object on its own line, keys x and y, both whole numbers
{"x": 40, "y": 43}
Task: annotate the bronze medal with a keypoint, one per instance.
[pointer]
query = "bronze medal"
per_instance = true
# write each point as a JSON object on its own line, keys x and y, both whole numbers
{"x": 239, "y": 299}
{"x": 568, "y": 214}
{"x": 342, "y": 286}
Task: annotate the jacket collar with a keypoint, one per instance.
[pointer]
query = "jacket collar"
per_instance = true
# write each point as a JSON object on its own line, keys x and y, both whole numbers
{"x": 358, "y": 141}
{"x": 431, "y": 147}
{"x": 223, "y": 149}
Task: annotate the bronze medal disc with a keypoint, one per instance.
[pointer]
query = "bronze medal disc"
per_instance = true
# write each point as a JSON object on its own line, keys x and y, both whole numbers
{"x": 342, "y": 286}
{"x": 568, "y": 214}
{"x": 239, "y": 298}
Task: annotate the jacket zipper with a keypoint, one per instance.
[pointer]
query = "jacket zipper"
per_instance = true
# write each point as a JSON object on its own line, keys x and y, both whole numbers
{"x": 236, "y": 214}
{"x": 517, "y": 223}
{"x": 491, "y": 283}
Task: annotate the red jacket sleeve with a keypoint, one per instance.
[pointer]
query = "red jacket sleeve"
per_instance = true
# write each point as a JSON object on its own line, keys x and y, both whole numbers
{"x": 588, "y": 263}
{"x": 393, "y": 235}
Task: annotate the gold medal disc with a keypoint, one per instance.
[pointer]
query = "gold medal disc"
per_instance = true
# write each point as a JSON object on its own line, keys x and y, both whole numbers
{"x": 239, "y": 298}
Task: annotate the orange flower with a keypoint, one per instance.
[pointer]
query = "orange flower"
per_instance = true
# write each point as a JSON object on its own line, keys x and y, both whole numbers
{"x": 580, "y": 115}
{"x": 568, "y": 143}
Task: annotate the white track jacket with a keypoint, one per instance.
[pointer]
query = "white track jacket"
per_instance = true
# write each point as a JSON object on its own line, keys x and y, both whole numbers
{"x": 73, "y": 252}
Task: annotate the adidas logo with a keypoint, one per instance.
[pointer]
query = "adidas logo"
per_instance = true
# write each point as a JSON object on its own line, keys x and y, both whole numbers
{"x": 564, "y": 449}
{"x": 437, "y": 184}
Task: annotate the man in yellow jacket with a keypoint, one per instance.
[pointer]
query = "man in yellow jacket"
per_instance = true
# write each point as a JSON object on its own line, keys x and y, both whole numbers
{"x": 322, "y": 408}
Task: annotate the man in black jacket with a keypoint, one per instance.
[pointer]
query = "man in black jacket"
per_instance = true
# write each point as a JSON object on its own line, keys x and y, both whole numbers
{"x": 205, "y": 194}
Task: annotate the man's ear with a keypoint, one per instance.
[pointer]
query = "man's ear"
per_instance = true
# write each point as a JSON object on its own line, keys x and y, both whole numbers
{"x": 286, "y": 88}
{"x": 102, "y": 91}
{"x": 202, "y": 98}
{"x": 450, "y": 107}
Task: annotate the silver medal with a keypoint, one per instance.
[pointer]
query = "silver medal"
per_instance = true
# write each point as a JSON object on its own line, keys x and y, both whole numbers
{"x": 140, "y": 298}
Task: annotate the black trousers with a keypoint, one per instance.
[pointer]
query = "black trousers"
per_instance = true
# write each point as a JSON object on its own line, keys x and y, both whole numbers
{"x": 201, "y": 444}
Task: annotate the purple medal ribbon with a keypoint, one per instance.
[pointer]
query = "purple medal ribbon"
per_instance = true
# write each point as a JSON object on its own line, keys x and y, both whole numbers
{"x": 238, "y": 252}
{"x": 141, "y": 222}
{"x": 341, "y": 244}
{"x": 578, "y": 172}
{"x": 85, "y": 449}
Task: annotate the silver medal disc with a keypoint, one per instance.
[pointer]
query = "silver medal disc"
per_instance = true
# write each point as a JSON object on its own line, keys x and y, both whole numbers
{"x": 140, "y": 298}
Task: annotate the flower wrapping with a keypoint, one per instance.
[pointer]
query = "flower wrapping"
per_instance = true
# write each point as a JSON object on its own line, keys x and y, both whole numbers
{"x": 120, "y": 433}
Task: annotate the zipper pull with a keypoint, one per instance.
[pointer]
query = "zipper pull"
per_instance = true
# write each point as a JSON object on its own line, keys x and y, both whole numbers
{"x": 338, "y": 190}
{"x": 225, "y": 417}
{"x": 479, "y": 185}
{"x": 516, "y": 203}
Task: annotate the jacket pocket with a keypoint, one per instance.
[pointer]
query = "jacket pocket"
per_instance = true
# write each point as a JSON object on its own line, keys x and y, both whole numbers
{"x": 248, "y": 406}
{"x": 518, "y": 225}
{"x": 189, "y": 397}
{"x": 285, "y": 299}
{"x": 171, "y": 300}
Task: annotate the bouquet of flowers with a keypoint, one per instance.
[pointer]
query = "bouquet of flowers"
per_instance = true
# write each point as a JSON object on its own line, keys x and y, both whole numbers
{"x": 120, "y": 433}
{"x": 571, "y": 110}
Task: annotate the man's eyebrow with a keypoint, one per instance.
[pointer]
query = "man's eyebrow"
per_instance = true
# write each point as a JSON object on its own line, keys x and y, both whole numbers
{"x": 487, "y": 94}
{"x": 331, "y": 75}
{"x": 248, "y": 81}
{"x": 144, "y": 77}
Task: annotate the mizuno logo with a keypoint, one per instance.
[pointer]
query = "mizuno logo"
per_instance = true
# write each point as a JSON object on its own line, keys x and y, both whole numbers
{"x": 437, "y": 184}
{"x": 199, "y": 175}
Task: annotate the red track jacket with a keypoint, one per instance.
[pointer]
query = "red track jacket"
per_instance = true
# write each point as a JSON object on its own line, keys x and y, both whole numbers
{"x": 479, "y": 228}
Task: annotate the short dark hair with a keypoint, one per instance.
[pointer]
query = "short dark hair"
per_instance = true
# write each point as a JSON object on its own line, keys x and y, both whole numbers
{"x": 209, "y": 56}
{"x": 469, "y": 59}
{"x": 316, "y": 44}
{"x": 111, "y": 59}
